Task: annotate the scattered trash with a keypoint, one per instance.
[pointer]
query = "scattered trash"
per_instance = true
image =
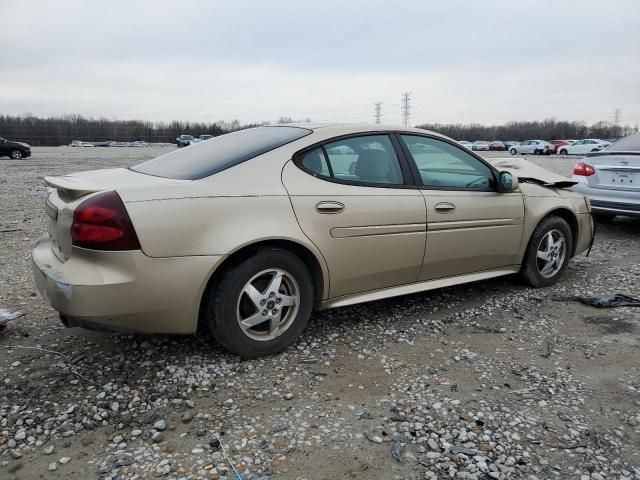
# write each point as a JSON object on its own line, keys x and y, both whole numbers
{"x": 396, "y": 451}
{"x": 8, "y": 315}
{"x": 602, "y": 301}
{"x": 365, "y": 415}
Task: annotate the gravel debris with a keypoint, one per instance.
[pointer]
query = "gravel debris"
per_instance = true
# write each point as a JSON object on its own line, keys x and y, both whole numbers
{"x": 488, "y": 380}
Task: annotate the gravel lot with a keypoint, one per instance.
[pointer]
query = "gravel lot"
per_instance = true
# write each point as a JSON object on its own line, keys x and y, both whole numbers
{"x": 488, "y": 380}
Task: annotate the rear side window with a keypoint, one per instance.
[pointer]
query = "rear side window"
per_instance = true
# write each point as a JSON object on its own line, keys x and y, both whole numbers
{"x": 219, "y": 153}
{"x": 368, "y": 159}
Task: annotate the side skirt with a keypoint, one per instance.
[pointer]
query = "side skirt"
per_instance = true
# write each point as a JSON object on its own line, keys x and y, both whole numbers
{"x": 416, "y": 287}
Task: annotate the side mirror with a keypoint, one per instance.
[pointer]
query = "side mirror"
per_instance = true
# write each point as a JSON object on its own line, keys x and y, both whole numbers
{"x": 507, "y": 182}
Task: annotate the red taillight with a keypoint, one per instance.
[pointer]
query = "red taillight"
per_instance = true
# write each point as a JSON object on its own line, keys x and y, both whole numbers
{"x": 583, "y": 169}
{"x": 102, "y": 223}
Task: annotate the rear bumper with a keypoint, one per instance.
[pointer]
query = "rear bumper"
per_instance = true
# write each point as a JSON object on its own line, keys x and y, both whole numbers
{"x": 618, "y": 202}
{"x": 123, "y": 291}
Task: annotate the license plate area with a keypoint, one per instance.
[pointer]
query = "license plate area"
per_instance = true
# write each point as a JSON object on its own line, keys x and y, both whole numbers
{"x": 618, "y": 178}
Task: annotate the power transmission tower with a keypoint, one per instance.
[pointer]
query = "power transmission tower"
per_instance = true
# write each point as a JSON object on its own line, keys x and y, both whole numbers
{"x": 616, "y": 121}
{"x": 406, "y": 108}
{"x": 378, "y": 111}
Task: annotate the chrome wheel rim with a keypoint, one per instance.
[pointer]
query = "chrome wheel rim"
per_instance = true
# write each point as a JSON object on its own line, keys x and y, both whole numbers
{"x": 551, "y": 252}
{"x": 16, "y": 155}
{"x": 268, "y": 304}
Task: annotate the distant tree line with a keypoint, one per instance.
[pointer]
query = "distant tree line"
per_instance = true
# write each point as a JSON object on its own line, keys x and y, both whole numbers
{"x": 61, "y": 130}
{"x": 550, "y": 129}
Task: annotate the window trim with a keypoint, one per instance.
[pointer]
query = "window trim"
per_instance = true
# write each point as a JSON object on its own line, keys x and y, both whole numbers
{"x": 416, "y": 172}
{"x": 405, "y": 166}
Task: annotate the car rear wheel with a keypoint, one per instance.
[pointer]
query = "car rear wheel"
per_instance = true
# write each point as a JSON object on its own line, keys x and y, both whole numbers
{"x": 548, "y": 252}
{"x": 563, "y": 152}
{"x": 262, "y": 305}
{"x": 16, "y": 154}
{"x": 513, "y": 151}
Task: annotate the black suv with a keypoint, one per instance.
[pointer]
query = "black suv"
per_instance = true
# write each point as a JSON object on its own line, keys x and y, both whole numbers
{"x": 15, "y": 150}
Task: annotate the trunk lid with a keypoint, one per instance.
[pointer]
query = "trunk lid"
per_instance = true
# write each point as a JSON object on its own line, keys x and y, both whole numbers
{"x": 615, "y": 170}
{"x": 66, "y": 192}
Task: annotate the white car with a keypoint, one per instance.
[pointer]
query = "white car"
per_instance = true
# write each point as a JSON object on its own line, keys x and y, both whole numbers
{"x": 79, "y": 143}
{"x": 582, "y": 147}
{"x": 480, "y": 146}
{"x": 466, "y": 144}
{"x": 534, "y": 147}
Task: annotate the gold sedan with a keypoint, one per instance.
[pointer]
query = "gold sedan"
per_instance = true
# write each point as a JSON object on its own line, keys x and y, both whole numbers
{"x": 249, "y": 232}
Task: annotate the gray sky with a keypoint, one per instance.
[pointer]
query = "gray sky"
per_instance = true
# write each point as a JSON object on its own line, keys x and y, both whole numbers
{"x": 463, "y": 61}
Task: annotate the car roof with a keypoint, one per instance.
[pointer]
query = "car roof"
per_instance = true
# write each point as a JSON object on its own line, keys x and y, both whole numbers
{"x": 337, "y": 129}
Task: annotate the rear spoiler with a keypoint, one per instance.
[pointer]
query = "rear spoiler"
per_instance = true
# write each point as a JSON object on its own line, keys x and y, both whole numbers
{"x": 71, "y": 187}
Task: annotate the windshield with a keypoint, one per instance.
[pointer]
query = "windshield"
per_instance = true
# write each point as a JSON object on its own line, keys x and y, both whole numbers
{"x": 219, "y": 153}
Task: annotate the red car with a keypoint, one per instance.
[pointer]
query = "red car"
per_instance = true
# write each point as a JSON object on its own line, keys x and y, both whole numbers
{"x": 559, "y": 143}
{"x": 497, "y": 146}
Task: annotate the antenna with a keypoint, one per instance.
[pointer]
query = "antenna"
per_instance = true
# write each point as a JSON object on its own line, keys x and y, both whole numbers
{"x": 378, "y": 111}
{"x": 406, "y": 108}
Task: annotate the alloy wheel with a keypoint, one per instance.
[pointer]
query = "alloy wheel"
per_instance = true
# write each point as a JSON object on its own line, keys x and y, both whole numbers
{"x": 16, "y": 154}
{"x": 551, "y": 253}
{"x": 268, "y": 304}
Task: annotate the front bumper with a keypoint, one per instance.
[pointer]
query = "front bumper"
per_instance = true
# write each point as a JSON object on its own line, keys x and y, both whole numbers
{"x": 123, "y": 291}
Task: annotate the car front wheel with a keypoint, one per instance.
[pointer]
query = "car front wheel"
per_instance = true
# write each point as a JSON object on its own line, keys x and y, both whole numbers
{"x": 563, "y": 152}
{"x": 262, "y": 305}
{"x": 16, "y": 154}
{"x": 548, "y": 252}
{"x": 513, "y": 151}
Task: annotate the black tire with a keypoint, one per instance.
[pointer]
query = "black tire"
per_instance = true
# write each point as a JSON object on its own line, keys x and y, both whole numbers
{"x": 563, "y": 152}
{"x": 15, "y": 154}
{"x": 221, "y": 303}
{"x": 604, "y": 217}
{"x": 513, "y": 151}
{"x": 530, "y": 265}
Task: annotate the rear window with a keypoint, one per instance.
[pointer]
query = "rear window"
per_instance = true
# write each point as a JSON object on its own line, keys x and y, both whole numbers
{"x": 219, "y": 153}
{"x": 630, "y": 143}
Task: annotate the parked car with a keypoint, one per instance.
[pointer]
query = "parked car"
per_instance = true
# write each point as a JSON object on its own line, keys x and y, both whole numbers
{"x": 509, "y": 143}
{"x": 14, "y": 150}
{"x": 480, "y": 146}
{"x": 205, "y": 137}
{"x": 559, "y": 143}
{"x": 249, "y": 232}
{"x": 466, "y": 144}
{"x": 534, "y": 147}
{"x": 497, "y": 146}
{"x": 582, "y": 147}
{"x": 80, "y": 143}
{"x": 610, "y": 179}
{"x": 184, "y": 140}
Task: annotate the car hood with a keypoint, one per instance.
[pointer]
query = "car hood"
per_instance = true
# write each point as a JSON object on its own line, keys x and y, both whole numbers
{"x": 528, "y": 172}
{"x": 25, "y": 145}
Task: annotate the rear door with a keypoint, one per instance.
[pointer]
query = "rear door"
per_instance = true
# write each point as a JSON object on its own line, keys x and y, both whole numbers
{"x": 470, "y": 227}
{"x": 353, "y": 198}
{"x": 526, "y": 147}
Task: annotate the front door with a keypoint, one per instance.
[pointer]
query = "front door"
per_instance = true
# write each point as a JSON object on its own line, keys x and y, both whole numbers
{"x": 470, "y": 227}
{"x": 353, "y": 200}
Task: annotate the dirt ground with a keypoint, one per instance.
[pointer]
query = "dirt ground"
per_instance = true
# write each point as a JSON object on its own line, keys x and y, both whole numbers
{"x": 487, "y": 380}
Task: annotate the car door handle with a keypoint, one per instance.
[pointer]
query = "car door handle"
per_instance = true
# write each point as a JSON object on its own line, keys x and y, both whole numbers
{"x": 329, "y": 207}
{"x": 445, "y": 207}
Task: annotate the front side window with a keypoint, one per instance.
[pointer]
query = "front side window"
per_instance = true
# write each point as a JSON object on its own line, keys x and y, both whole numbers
{"x": 442, "y": 165}
{"x": 369, "y": 159}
